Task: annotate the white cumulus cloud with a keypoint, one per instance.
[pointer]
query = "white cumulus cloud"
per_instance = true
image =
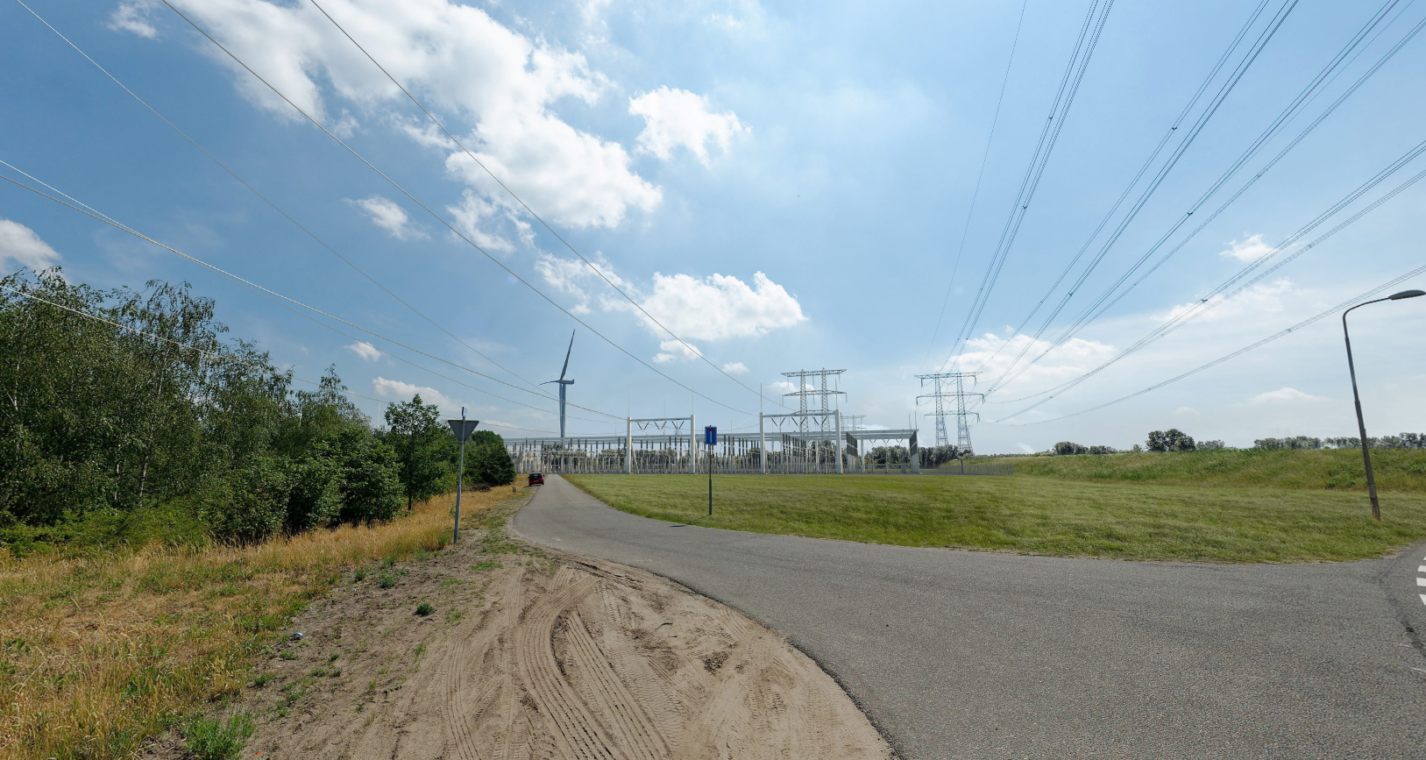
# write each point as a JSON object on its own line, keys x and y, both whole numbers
{"x": 20, "y": 246}
{"x": 1249, "y": 248}
{"x": 674, "y": 351}
{"x": 996, "y": 357}
{"x": 678, "y": 118}
{"x": 133, "y": 16}
{"x": 719, "y": 307}
{"x": 1284, "y": 396}
{"x": 396, "y": 389}
{"x": 735, "y": 368}
{"x": 365, "y": 350}
{"x": 1258, "y": 300}
{"x": 390, "y": 217}
{"x": 463, "y": 64}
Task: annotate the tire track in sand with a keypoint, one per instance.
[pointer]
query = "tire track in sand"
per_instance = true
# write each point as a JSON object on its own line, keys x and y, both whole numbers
{"x": 576, "y": 731}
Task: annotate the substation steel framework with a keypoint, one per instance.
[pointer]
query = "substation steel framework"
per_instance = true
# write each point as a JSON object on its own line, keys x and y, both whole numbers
{"x": 806, "y": 390}
{"x": 940, "y": 392}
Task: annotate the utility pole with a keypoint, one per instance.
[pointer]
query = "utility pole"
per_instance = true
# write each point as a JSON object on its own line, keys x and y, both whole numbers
{"x": 462, "y": 428}
{"x": 940, "y": 390}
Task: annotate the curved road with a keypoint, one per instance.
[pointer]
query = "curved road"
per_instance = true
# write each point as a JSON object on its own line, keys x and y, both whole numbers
{"x": 958, "y": 654}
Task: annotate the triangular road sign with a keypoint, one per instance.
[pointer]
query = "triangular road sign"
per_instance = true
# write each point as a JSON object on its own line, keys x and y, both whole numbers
{"x": 463, "y": 428}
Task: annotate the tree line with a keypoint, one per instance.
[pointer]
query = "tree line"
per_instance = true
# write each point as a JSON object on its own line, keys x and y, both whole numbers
{"x": 113, "y": 402}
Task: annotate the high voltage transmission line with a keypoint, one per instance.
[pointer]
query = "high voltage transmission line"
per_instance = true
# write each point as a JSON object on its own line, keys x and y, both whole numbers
{"x": 1280, "y": 334}
{"x": 1085, "y": 44}
{"x": 526, "y": 206}
{"x": 268, "y": 201}
{"x": 980, "y": 175}
{"x": 99, "y": 216}
{"x": 1188, "y": 138}
{"x": 442, "y": 220}
{"x": 1101, "y": 304}
{"x": 1218, "y": 295}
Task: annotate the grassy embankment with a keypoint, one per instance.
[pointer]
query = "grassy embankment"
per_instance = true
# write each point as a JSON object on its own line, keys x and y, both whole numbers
{"x": 103, "y": 650}
{"x": 1241, "y": 506}
{"x": 1400, "y": 470}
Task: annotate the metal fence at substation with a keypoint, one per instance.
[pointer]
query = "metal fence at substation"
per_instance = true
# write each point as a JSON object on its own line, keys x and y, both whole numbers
{"x": 677, "y": 447}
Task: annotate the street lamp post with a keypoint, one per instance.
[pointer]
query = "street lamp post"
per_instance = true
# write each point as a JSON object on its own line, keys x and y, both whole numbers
{"x": 1357, "y": 398}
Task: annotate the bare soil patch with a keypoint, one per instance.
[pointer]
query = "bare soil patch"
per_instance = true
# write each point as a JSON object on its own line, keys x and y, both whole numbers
{"x": 532, "y": 655}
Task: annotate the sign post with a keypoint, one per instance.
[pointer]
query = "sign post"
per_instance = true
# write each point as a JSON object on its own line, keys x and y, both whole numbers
{"x": 462, "y": 428}
{"x": 710, "y": 438}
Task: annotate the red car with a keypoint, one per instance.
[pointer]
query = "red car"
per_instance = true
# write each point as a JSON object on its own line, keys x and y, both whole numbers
{"x": 537, "y": 479}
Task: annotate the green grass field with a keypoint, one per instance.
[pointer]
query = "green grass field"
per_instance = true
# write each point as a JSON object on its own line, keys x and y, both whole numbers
{"x": 1119, "y": 518}
{"x": 1335, "y": 469}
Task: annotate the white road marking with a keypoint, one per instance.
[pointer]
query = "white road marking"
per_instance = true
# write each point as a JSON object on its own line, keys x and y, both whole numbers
{"x": 1421, "y": 581}
{"x": 1421, "y": 569}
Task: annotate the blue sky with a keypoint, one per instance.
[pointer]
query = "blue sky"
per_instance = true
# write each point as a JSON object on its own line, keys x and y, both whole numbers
{"x": 785, "y": 186}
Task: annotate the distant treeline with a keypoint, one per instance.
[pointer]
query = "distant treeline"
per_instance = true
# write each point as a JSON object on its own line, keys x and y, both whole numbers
{"x": 1176, "y": 440}
{"x": 117, "y": 402}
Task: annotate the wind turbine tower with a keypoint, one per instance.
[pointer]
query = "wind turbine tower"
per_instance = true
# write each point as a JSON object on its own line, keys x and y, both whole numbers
{"x": 563, "y": 382}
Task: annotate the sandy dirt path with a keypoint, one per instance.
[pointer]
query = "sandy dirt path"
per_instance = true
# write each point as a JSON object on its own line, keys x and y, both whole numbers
{"x": 529, "y": 654}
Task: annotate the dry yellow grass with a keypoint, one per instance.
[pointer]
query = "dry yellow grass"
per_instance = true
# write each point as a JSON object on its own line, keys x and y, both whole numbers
{"x": 102, "y": 653}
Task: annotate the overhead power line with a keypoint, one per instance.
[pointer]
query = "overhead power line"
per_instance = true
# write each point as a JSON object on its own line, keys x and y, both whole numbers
{"x": 90, "y": 212}
{"x": 1085, "y": 45}
{"x": 442, "y": 220}
{"x": 269, "y": 202}
{"x": 1188, "y": 138}
{"x": 1283, "y": 333}
{"x": 211, "y": 355}
{"x": 980, "y": 175}
{"x": 1268, "y": 166}
{"x": 1222, "y": 293}
{"x": 527, "y": 208}
{"x": 1101, "y": 304}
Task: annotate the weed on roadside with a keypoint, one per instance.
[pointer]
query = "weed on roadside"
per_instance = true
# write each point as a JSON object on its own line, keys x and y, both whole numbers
{"x": 423, "y": 609}
{"x": 216, "y": 739}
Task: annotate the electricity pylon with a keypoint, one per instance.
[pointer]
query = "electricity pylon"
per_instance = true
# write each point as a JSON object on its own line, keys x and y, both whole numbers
{"x": 939, "y": 392}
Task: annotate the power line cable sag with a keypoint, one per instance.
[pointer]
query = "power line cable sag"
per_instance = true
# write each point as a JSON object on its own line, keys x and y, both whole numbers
{"x": 1188, "y": 138}
{"x": 440, "y": 218}
{"x": 526, "y": 206}
{"x": 269, "y": 202}
{"x": 1304, "y": 323}
{"x": 1099, "y": 306}
{"x": 213, "y": 355}
{"x": 1209, "y": 301}
{"x": 980, "y": 175}
{"x": 1049, "y": 135}
{"x": 1270, "y": 164}
{"x": 88, "y": 211}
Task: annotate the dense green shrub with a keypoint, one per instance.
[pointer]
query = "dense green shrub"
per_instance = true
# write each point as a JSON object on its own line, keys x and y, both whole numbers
{"x": 123, "y": 403}
{"x": 487, "y": 461}
{"x": 314, "y": 498}
{"x": 252, "y": 506}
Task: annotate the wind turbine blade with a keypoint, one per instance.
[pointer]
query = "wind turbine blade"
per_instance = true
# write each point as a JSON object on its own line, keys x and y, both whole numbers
{"x": 566, "y": 356}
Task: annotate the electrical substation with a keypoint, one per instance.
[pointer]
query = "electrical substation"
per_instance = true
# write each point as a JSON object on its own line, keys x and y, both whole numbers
{"x": 818, "y": 438}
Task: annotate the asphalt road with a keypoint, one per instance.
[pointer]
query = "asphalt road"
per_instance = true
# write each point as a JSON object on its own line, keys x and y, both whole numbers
{"x": 958, "y": 654}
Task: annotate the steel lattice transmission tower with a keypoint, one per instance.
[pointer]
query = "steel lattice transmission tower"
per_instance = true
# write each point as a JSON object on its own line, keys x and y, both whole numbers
{"x": 806, "y": 390}
{"x": 940, "y": 391}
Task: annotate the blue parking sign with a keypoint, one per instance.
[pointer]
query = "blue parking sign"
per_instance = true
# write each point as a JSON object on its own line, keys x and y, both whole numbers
{"x": 710, "y": 435}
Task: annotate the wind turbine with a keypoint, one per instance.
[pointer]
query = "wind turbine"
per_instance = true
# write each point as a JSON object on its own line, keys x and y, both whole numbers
{"x": 563, "y": 382}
